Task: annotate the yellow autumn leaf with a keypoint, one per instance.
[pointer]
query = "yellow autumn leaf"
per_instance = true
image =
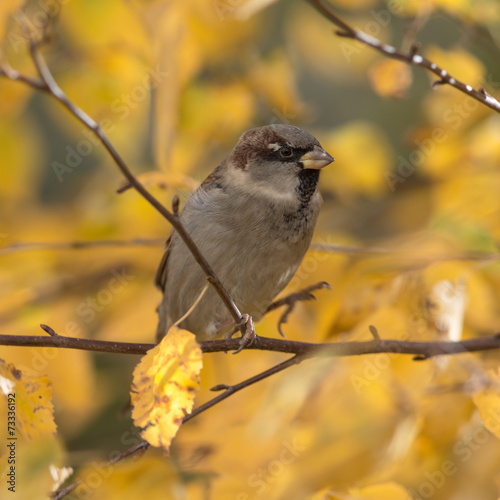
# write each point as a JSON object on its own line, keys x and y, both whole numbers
{"x": 356, "y": 5}
{"x": 387, "y": 491}
{"x": 390, "y": 79}
{"x": 338, "y": 61}
{"x": 164, "y": 384}
{"x": 487, "y": 401}
{"x": 484, "y": 143}
{"x": 149, "y": 477}
{"x": 6, "y": 10}
{"x": 30, "y": 399}
{"x": 273, "y": 79}
{"x": 363, "y": 156}
{"x": 248, "y": 8}
{"x": 214, "y": 111}
{"x": 485, "y": 11}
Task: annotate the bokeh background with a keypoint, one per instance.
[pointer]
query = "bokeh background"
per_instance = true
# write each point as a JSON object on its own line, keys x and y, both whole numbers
{"x": 408, "y": 239}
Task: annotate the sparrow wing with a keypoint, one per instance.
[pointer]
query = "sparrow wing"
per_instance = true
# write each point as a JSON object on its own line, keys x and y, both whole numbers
{"x": 211, "y": 182}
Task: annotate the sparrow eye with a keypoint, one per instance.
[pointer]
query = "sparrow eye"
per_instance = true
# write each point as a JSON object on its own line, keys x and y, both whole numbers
{"x": 286, "y": 152}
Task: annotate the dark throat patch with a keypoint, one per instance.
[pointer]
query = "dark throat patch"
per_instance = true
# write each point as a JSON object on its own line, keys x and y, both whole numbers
{"x": 308, "y": 182}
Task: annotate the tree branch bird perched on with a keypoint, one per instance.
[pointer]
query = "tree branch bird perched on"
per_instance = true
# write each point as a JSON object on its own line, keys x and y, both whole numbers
{"x": 252, "y": 219}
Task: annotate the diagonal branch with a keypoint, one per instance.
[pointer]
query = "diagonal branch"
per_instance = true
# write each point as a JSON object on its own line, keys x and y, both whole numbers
{"x": 411, "y": 57}
{"x": 229, "y": 390}
{"x": 47, "y": 83}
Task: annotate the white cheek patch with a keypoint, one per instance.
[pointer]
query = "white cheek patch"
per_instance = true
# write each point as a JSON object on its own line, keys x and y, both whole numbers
{"x": 239, "y": 179}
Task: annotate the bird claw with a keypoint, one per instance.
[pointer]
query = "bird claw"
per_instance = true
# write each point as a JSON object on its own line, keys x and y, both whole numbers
{"x": 249, "y": 336}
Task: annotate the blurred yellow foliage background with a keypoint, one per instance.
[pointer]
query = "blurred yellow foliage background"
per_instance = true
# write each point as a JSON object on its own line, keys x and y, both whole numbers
{"x": 416, "y": 180}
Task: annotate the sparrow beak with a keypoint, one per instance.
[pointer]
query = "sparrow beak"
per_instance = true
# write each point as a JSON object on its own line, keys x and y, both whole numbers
{"x": 316, "y": 159}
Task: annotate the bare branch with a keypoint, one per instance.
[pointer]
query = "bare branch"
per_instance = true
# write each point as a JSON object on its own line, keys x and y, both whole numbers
{"x": 411, "y": 57}
{"x": 64, "y": 342}
{"x": 331, "y": 349}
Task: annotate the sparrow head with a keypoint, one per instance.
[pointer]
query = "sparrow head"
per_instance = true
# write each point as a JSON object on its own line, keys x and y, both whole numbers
{"x": 278, "y": 161}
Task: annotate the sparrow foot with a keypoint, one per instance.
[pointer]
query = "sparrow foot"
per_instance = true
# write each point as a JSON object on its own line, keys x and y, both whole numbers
{"x": 249, "y": 336}
{"x": 292, "y": 299}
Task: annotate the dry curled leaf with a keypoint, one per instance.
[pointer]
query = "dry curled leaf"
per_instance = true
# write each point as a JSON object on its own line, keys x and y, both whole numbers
{"x": 164, "y": 386}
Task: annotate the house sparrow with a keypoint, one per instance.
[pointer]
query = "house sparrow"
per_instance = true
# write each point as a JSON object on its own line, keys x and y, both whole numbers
{"x": 252, "y": 219}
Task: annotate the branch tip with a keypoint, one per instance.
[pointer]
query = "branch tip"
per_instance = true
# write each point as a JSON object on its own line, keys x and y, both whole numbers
{"x": 420, "y": 357}
{"x": 219, "y": 387}
{"x": 374, "y": 332}
{"x": 124, "y": 188}
{"x": 49, "y": 330}
{"x": 437, "y": 83}
{"x": 415, "y": 47}
{"x": 344, "y": 34}
{"x": 175, "y": 205}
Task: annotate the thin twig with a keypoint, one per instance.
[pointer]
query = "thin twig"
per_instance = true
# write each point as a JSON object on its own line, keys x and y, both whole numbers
{"x": 404, "y": 254}
{"x": 49, "y": 330}
{"x": 229, "y": 390}
{"x": 411, "y": 57}
{"x": 23, "y": 246}
{"x": 139, "y": 448}
{"x": 62, "y": 492}
{"x": 374, "y": 332}
{"x": 12, "y": 74}
{"x": 305, "y": 351}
